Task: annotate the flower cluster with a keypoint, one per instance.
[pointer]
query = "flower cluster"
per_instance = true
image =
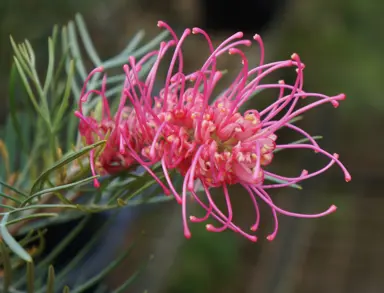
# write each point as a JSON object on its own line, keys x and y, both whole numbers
{"x": 207, "y": 139}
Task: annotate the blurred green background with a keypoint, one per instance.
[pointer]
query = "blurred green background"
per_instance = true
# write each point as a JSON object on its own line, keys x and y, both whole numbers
{"x": 342, "y": 44}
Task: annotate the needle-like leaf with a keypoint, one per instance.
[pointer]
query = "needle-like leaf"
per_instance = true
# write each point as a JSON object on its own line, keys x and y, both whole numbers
{"x": 11, "y": 242}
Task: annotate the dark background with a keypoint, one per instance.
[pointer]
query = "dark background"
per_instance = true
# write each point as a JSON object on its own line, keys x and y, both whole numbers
{"x": 342, "y": 45}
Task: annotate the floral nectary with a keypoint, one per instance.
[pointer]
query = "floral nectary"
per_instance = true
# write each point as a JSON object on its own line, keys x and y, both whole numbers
{"x": 206, "y": 138}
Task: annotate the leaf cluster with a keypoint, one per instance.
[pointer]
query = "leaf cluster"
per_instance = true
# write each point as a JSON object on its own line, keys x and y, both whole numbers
{"x": 44, "y": 169}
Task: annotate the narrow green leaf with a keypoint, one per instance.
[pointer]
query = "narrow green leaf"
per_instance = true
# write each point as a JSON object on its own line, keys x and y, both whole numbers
{"x": 36, "y": 80}
{"x": 55, "y": 32}
{"x": 66, "y": 289}
{"x": 30, "y": 217}
{"x": 89, "y": 208}
{"x": 153, "y": 200}
{"x": 122, "y": 58}
{"x": 294, "y": 120}
{"x": 14, "y": 189}
{"x": 67, "y": 92}
{"x": 73, "y": 44}
{"x": 57, "y": 188}
{"x": 30, "y": 238}
{"x": 67, "y": 48}
{"x": 42, "y": 243}
{"x": 117, "y": 88}
{"x": 29, "y": 90}
{"x": 51, "y": 280}
{"x": 30, "y": 278}
{"x": 19, "y": 57}
{"x": 25, "y": 177}
{"x": 137, "y": 186}
{"x": 11, "y": 242}
{"x": 147, "y": 66}
{"x": 89, "y": 47}
{"x": 64, "y": 59}
{"x": 7, "y": 268}
{"x": 132, "y": 45}
{"x": 62, "y": 162}
{"x": 63, "y": 199}
{"x": 119, "y": 189}
{"x": 112, "y": 79}
{"x": 40, "y": 206}
{"x": 7, "y": 206}
{"x": 2, "y": 194}
{"x": 51, "y": 65}
{"x": 151, "y": 45}
{"x": 142, "y": 188}
{"x": 141, "y": 51}
{"x": 24, "y": 53}
{"x": 71, "y": 123}
{"x": 110, "y": 93}
{"x": 30, "y": 53}
{"x": 72, "y": 132}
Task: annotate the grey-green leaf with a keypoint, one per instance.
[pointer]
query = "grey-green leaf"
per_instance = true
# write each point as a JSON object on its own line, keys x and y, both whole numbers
{"x": 51, "y": 280}
{"x": 64, "y": 161}
{"x": 11, "y": 242}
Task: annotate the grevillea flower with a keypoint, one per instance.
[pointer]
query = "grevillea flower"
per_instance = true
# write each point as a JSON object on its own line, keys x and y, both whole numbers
{"x": 207, "y": 138}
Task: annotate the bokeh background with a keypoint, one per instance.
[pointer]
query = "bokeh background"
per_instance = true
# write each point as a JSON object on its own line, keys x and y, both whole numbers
{"x": 342, "y": 45}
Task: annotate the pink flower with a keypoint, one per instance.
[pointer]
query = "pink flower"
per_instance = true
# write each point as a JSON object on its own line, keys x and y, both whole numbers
{"x": 208, "y": 139}
{"x": 113, "y": 158}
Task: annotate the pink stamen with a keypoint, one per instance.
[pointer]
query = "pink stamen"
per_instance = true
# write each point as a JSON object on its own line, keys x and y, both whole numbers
{"x": 211, "y": 49}
{"x": 82, "y": 118}
{"x": 258, "y": 39}
{"x": 228, "y": 221}
{"x": 222, "y": 216}
{"x": 257, "y": 166}
{"x": 84, "y": 88}
{"x": 193, "y": 168}
{"x": 177, "y": 52}
{"x": 93, "y": 169}
{"x": 272, "y": 236}
{"x": 145, "y": 166}
{"x": 214, "y": 54}
{"x": 187, "y": 232}
{"x": 265, "y": 197}
{"x": 155, "y": 139}
{"x": 106, "y": 110}
{"x": 169, "y": 181}
{"x": 255, "y": 226}
{"x": 317, "y": 149}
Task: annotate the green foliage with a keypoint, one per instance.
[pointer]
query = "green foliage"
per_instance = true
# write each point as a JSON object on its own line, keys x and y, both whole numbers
{"x": 43, "y": 277}
{"x": 44, "y": 169}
